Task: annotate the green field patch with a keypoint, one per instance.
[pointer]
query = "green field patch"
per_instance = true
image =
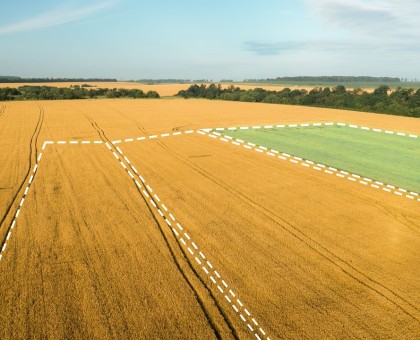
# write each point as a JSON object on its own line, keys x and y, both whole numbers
{"x": 387, "y": 158}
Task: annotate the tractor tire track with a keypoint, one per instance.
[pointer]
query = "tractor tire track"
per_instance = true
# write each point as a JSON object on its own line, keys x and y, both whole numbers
{"x": 356, "y": 274}
{"x": 33, "y": 153}
{"x": 221, "y": 311}
{"x": 199, "y": 300}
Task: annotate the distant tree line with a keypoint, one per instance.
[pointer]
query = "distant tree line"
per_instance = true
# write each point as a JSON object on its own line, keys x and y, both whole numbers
{"x": 169, "y": 81}
{"x": 13, "y": 79}
{"x": 163, "y": 81}
{"x": 74, "y": 92}
{"x": 402, "y": 101}
{"x": 328, "y": 79}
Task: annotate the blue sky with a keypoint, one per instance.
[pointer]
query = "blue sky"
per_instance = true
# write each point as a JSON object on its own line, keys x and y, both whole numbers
{"x": 196, "y": 39}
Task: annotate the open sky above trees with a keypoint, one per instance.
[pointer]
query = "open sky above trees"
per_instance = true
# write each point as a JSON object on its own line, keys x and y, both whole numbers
{"x": 237, "y": 39}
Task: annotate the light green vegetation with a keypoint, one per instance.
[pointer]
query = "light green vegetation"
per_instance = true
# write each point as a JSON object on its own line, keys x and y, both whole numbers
{"x": 387, "y": 158}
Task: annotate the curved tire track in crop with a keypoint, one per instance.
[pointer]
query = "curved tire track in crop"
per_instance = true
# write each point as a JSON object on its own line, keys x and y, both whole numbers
{"x": 200, "y": 301}
{"x": 356, "y": 274}
{"x": 33, "y": 153}
{"x": 214, "y": 298}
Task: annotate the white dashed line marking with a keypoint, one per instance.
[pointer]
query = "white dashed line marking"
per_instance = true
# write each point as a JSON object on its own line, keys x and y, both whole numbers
{"x": 155, "y": 201}
{"x": 319, "y": 167}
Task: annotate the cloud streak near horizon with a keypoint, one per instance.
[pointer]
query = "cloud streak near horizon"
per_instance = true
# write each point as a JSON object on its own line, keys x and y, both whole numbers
{"x": 55, "y": 17}
{"x": 384, "y": 18}
{"x": 268, "y": 49}
{"x": 386, "y": 26}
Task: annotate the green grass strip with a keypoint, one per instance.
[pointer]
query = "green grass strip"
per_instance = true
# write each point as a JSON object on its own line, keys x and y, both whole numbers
{"x": 387, "y": 158}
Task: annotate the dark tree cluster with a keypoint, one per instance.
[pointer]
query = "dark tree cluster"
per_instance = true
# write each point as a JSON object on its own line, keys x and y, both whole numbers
{"x": 74, "y": 92}
{"x": 402, "y": 101}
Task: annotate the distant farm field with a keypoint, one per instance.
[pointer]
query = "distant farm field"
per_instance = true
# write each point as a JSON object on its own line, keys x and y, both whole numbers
{"x": 130, "y": 219}
{"x": 164, "y": 89}
{"x": 387, "y": 158}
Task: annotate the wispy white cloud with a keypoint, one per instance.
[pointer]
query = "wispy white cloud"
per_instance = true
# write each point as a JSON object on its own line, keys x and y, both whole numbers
{"x": 55, "y": 17}
{"x": 386, "y": 27}
{"x": 389, "y": 18}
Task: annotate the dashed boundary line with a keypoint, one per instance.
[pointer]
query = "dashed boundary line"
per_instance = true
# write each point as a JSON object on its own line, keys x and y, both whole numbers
{"x": 118, "y": 141}
{"x": 300, "y": 125}
{"x": 218, "y": 129}
{"x": 192, "y": 249}
{"x": 215, "y": 133}
{"x": 177, "y": 229}
{"x": 315, "y": 166}
{"x": 22, "y": 200}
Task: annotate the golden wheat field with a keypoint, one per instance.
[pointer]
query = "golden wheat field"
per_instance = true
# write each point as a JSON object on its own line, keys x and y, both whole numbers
{"x": 119, "y": 220}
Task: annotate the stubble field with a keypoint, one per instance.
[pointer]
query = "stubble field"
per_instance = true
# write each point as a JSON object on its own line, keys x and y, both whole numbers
{"x": 185, "y": 236}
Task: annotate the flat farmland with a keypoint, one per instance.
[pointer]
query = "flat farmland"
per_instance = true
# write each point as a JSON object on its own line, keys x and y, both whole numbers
{"x": 301, "y": 246}
{"x": 19, "y": 134}
{"x": 89, "y": 260}
{"x": 186, "y": 236}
